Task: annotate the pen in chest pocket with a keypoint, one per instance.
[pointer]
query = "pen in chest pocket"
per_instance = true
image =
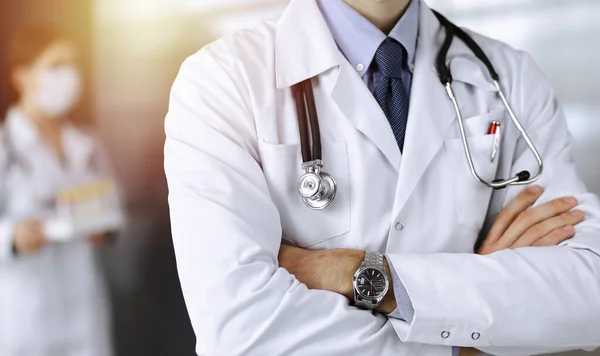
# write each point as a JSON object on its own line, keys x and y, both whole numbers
{"x": 495, "y": 129}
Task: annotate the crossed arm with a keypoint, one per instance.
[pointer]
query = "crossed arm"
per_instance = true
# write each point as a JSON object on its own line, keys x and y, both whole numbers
{"x": 242, "y": 303}
{"x": 516, "y": 226}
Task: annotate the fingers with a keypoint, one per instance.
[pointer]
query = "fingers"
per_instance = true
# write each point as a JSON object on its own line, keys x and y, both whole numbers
{"x": 29, "y": 237}
{"x": 507, "y": 216}
{"x": 36, "y": 229}
{"x": 556, "y": 237}
{"x": 30, "y": 246}
{"x": 548, "y": 226}
{"x": 531, "y": 217}
{"x": 36, "y": 244}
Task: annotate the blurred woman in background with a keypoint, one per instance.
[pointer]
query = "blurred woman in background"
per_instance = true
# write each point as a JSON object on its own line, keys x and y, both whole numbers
{"x": 53, "y": 300}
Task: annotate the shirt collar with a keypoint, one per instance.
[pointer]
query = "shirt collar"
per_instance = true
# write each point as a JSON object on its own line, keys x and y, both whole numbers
{"x": 358, "y": 39}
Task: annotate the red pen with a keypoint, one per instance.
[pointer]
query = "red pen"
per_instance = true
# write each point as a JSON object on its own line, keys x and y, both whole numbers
{"x": 495, "y": 128}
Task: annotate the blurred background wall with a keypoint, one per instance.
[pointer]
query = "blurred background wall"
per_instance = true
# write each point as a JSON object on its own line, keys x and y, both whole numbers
{"x": 132, "y": 51}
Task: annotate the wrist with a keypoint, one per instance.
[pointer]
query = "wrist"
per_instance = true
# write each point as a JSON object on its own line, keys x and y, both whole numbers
{"x": 349, "y": 261}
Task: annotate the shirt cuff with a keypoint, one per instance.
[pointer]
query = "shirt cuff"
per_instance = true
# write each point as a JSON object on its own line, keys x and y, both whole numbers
{"x": 405, "y": 310}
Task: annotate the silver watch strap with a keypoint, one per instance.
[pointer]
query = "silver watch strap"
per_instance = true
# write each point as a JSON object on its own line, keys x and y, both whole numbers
{"x": 365, "y": 303}
{"x": 372, "y": 260}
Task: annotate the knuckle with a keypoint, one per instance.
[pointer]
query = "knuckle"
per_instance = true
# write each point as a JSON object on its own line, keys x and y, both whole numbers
{"x": 527, "y": 194}
{"x": 536, "y": 231}
{"x": 525, "y": 216}
{"x": 567, "y": 218}
{"x": 502, "y": 215}
{"x": 559, "y": 205}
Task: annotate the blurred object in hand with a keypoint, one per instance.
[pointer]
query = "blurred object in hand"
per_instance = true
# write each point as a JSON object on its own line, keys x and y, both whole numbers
{"x": 85, "y": 210}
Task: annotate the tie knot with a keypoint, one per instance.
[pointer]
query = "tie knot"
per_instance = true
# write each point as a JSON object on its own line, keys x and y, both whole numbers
{"x": 390, "y": 58}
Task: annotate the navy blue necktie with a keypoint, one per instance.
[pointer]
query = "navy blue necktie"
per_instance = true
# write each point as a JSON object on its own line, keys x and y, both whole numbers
{"x": 389, "y": 92}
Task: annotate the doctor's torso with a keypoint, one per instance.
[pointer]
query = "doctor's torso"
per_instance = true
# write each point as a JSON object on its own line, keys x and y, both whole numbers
{"x": 421, "y": 200}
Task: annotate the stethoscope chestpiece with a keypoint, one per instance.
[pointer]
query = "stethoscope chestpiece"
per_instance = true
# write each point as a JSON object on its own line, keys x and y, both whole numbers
{"x": 317, "y": 188}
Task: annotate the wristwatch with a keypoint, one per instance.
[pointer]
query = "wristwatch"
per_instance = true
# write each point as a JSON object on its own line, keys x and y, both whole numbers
{"x": 370, "y": 282}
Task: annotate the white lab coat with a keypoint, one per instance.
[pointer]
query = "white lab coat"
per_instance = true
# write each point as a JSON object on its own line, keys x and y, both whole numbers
{"x": 53, "y": 303}
{"x": 232, "y": 160}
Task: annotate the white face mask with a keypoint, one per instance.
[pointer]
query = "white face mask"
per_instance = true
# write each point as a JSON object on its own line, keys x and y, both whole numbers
{"x": 59, "y": 90}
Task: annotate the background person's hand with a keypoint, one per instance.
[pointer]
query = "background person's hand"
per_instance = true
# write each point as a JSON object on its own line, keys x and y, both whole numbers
{"x": 100, "y": 239}
{"x": 28, "y": 237}
{"x": 518, "y": 225}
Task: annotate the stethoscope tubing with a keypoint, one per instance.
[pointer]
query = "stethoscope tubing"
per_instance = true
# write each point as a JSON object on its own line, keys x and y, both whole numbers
{"x": 298, "y": 93}
{"x": 445, "y": 75}
{"x": 305, "y": 104}
{"x": 310, "y": 143}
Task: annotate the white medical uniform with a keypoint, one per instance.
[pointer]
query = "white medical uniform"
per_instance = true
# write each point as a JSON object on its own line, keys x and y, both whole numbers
{"x": 232, "y": 160}
{"x": 53, "y": 303}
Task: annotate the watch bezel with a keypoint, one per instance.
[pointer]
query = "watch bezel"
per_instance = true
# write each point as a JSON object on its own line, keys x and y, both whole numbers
{"x": 370, "y": 297}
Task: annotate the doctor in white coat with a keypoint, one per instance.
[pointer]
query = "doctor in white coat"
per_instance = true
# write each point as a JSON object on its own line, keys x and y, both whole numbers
{"x": 53, "y": 300}
{"x": 232, "y": 159}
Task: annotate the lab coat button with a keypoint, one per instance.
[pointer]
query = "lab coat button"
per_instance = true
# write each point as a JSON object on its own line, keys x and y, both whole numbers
{"x": 445, "y": 334}
{"x": 360, "y": 67}
{"x": 399, "y": 226}
{"x": 475, "y": 336}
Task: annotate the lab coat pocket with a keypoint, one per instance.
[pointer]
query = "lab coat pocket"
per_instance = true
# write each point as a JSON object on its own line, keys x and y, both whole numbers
{"x": 282, "y": 166}
{"x": 472, "y": 197}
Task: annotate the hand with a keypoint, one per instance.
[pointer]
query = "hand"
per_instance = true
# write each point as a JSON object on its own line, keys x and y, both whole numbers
{"x": 100, "y": 239}
{"x": 468, "y": 352}
{"x": 28, "y": 237}
{"x": 545, "y": 225}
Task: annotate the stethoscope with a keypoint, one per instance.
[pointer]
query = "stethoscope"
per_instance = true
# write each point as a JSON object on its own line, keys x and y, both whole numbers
{"x": 318, "y": 188}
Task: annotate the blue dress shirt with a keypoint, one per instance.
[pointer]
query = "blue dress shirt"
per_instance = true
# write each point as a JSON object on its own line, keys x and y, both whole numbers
{"x": 358, "y": 39}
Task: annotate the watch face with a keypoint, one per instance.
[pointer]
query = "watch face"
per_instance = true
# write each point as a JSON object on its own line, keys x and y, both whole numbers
{"x": 371, "y": 283}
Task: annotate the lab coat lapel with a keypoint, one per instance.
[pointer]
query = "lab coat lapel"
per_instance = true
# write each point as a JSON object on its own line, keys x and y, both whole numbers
{"x": 431, "y": 112}
{"x": 359, "y": 106}
{"x": 305, "y": 48}
{"x": 79, "y": 148}
{"x": 21, "y": 135}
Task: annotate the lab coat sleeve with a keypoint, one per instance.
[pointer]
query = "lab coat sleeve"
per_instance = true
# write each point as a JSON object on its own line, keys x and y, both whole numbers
{"x": 6, "y": 224}
{"x": 516, "y": 302}
{"x": 227, "y": 234}
{"x": 6, "y": 240}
